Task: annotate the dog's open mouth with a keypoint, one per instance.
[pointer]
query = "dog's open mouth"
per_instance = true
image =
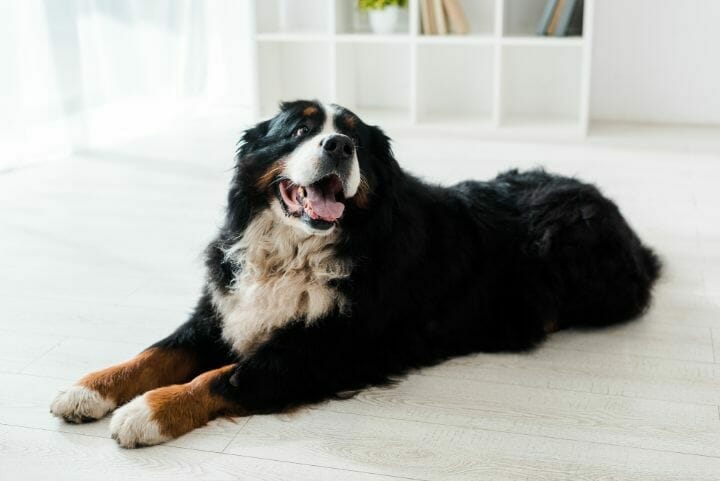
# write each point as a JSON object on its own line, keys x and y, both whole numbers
{"x": 320, "y": 204}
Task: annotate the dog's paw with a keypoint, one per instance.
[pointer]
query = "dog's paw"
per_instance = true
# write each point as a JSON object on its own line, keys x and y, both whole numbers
{"x": 80, "y": 404}
{"x": 132, "y": 425}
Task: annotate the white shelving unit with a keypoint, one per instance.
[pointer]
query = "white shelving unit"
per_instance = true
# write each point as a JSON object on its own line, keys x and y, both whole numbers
{"x": 499, "y": 78}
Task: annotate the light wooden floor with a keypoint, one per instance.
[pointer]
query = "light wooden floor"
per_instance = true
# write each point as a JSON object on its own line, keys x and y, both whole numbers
{"x": 100, "y": 256}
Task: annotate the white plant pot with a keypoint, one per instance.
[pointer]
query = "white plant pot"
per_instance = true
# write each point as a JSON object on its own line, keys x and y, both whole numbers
{"x": 383, "y": 21}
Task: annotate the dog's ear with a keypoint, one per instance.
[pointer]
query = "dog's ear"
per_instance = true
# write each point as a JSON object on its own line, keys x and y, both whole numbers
{"x": 381, "y": 151}
{"x": 288, "y": 104}
{"x": 380, "y": 144}
{"x": 382, "y": 170}
{"x": 250, "y": 137}
{"x": 298, "y": 105}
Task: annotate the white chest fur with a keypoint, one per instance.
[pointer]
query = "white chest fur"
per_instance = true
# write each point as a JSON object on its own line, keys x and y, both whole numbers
{"x": 283, "y": 276}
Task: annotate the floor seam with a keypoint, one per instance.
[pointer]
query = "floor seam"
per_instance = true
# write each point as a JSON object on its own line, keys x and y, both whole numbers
{"x": 541, "y": 436}
{"x": 219, "y": 453}
{"x": 641, "y": 356}
{"x": 325, "y": 467}
{"x": 554, "y": 388}
{"x": 45, "y": 353}
{"x": 712, "y": 341}
{"x": 247, "y": 420}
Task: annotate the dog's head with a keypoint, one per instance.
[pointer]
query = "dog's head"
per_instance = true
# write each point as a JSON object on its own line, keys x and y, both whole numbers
{"x": 313, "y": 165}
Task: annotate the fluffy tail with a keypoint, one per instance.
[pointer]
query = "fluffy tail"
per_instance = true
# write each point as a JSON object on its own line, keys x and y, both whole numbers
{"x": 652, "y": 263}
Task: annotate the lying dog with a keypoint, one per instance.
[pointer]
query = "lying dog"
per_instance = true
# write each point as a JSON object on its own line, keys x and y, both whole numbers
{"x": 336, "y": 270}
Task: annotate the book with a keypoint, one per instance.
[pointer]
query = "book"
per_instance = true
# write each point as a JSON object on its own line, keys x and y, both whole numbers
{"x": 439, "y": 14}
{"x": 428, "y": 11}
{"x": 566, "y": 16}
{"x": 560, "y": 4}
{"x": 456, "y": 16}
{"x": 546, "y": 17}
{"x": 576, "y": 23}
{"x": 425, "y": 17}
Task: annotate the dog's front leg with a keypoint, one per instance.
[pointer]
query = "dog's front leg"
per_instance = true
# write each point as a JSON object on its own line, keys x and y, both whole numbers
{"x": 295, "y": 367}
{"x": 171, "y": 411}
{"x": 98, "y": 393}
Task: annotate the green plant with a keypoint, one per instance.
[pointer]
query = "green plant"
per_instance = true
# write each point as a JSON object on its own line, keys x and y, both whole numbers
{"x": 380, "y": 4}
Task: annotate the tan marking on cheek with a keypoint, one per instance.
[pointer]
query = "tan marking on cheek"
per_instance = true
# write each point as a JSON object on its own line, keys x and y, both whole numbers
{"x": 362, "y": 196}
{"x": 182, "y": 408}
{"x": 551, "y": 325}
{"x": 310, "y": 111}
{"x": 263, "y": 183}
{"x": 350, "y": 121}
{"x": 151, "y": 368}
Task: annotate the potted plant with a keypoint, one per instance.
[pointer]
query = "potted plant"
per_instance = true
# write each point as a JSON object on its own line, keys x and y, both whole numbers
{"x": 383, "y": 14}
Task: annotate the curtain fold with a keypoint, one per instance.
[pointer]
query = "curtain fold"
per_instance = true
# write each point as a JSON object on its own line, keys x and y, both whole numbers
{"x": 81, "y": 72}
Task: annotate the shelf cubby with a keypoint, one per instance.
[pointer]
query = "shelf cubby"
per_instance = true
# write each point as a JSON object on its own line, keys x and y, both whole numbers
{"x": 291, "y": 16}
{"x": 500, "y": 77}
{"x": 480, "y": 15}
{"x": 359, "y": 87}
{"x": 521, "y": 17}
{"x": 541, "y": 85}
{"x": 455, "y": 83}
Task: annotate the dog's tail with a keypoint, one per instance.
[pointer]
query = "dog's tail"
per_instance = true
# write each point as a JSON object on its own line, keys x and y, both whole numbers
{"x": 652, "y": 264}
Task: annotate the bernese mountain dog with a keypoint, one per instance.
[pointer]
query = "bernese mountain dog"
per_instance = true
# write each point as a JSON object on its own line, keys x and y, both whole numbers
{"x": 336, "y": 270}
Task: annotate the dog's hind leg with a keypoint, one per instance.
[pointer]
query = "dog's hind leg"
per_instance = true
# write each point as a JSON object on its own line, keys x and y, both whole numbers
{"x": 597, "y": 268}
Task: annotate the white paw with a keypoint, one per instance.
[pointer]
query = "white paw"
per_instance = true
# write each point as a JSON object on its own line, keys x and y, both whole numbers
{"x": 132, "y": 425}
{"x": 80, "y": 404}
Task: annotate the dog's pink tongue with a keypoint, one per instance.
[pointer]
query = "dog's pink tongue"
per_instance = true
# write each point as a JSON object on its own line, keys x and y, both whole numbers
{"x": 324, "y": 205}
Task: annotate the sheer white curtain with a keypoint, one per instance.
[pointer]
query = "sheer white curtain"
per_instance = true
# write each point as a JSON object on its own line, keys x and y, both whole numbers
{"x": 86, "y": 72}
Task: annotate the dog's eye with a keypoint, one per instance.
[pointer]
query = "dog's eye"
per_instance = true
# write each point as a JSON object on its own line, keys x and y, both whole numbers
{"x": 300, "y": 131}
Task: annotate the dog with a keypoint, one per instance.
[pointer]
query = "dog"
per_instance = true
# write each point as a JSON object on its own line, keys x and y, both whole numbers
{"x": 335, "y": 270}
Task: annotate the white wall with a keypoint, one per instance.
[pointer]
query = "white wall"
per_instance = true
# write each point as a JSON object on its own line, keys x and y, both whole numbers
{"x": 230, "y": 60}
{"x": 656, "y": 61}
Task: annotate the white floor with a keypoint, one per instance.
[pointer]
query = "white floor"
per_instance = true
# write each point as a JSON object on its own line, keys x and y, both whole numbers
{"x": 100, "y": 256}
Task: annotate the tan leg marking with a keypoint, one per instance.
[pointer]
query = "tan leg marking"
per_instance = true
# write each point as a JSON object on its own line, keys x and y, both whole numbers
{"x": 179, "y": 409}
{"x": 349, "y": 121}
{"x": 551, "y": 326}
{"x": 151, "y": 368}
{"x": 362, "y": 196}
{"x": 100, "y": 392}
{"x": 171, "y": 411}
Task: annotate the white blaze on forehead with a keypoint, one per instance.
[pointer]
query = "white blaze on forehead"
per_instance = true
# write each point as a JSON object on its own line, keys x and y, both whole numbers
{"x": 329, "y": 125}
{"x": 301, "y": 165}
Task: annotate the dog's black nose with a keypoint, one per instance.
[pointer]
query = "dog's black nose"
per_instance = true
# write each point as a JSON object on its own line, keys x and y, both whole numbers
{"x": 339, "y": 147}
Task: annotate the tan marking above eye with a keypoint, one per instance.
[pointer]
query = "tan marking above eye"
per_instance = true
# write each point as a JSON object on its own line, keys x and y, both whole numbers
{"x": 309, "y": 111}
{"x": 350, "y": 121}
{"x": 362, "y": 196}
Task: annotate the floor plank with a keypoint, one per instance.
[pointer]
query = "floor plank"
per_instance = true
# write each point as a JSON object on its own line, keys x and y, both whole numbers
{"x": 31, "y": 455}
{"x": 617, "y": 420}
{"x": 437, "y": 452}
{"x": 628, "y": 375}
